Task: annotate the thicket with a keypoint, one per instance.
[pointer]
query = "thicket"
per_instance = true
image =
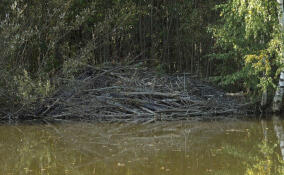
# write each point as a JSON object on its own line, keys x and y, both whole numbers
{"x": 248, "y": 47}
{"x": 43, "y": 43}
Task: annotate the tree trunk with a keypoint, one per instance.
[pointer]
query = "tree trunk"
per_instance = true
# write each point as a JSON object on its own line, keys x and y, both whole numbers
{"x": 277, "y": 101}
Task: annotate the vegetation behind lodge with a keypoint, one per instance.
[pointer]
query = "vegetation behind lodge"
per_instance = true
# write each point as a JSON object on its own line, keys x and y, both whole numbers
{"x": 46, "y": 44}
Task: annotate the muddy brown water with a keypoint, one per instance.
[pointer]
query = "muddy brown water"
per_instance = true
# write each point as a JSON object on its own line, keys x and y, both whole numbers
{"x": 162, "y": 148}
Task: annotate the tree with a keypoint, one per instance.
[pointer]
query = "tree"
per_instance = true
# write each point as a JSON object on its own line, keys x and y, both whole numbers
{"x": 277, "y": 101}
{"x": 247, "y": 46}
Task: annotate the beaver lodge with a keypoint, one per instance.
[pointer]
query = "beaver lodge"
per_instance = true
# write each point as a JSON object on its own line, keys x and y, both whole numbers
{"x": 131, "y": 93}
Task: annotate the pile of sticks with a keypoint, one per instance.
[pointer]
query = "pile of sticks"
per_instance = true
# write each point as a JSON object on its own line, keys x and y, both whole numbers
{"x": 116, "y": 93}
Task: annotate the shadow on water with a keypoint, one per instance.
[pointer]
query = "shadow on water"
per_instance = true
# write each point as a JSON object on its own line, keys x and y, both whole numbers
{"x": 176, "y": 148}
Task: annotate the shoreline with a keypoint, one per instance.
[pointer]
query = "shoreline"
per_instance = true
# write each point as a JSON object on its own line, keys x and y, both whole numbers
{"x": 135, "y": 93}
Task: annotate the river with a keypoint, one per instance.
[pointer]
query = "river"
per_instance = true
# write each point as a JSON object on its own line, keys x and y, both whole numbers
{"x": 216, "y": 147}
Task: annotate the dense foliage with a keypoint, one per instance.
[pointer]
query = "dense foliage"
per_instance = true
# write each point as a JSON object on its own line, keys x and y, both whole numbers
{"x": 236, "y": 42}
{"x": 248, "y": 44}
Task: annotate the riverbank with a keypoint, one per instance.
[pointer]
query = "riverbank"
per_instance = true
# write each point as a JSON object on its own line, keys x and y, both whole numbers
{"x": 135, "y": 93}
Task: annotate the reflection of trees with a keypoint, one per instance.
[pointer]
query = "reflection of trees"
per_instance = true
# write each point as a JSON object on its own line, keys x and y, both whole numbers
{"x": 33, "y": 153}
{"x": 279, "y": 133}
{"x": 265, "y": 162}
{"x": 264, "y": 129}
{"x": 35, "y": 150}
{"x": 149, "y": 149}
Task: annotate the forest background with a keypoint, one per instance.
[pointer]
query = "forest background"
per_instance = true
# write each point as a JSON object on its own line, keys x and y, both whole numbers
{"x": 236, "y": 44}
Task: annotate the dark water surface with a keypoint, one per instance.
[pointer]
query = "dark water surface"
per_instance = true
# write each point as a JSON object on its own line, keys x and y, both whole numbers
{"x": 162, "y": 148}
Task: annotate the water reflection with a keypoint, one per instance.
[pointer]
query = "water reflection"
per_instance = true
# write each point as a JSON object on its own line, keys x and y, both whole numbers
{"x": 177, "y": 148}
{"x": 278, "y": 128}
